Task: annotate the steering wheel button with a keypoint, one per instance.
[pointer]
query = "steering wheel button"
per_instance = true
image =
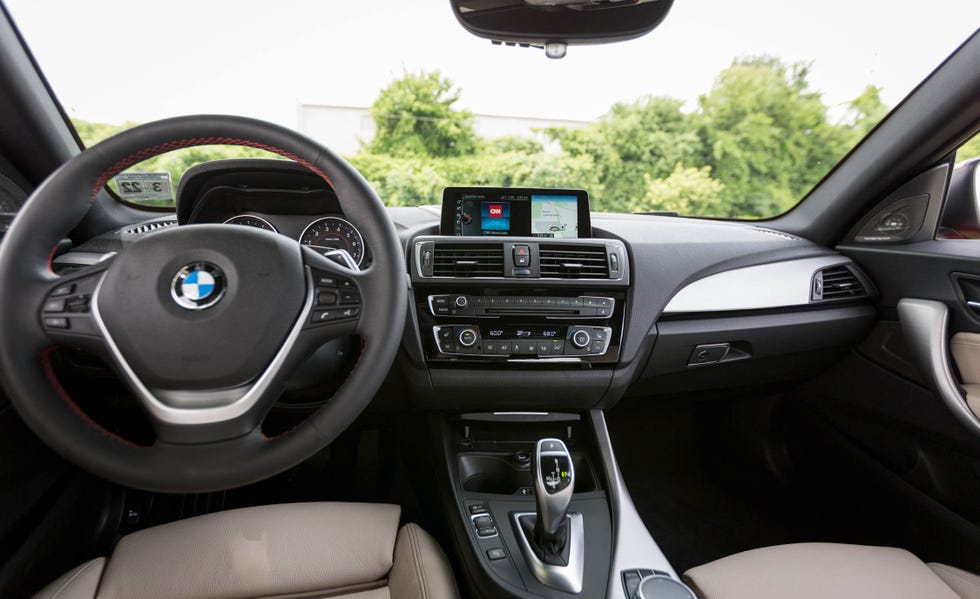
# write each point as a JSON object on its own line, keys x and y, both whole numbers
{"x": 323, "y": 316}
{"x": 325, "y": 281}
{"x": 348, "y": 312}
{"x": 54, "y": 305}
{"x": 56, "y": 322}
{"x": 326, "y": 298}
{"x": 65, "y": 289}
{"x": 349, "y": 296}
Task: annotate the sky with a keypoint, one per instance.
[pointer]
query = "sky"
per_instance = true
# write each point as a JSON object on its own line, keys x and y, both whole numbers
{"x": 118, "y": 60}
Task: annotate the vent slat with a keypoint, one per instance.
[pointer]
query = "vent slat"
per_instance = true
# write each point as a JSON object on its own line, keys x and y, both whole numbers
{"x": 468, "y": 261}
{"x": 837, "y": 283}
{"x": 147, "y": 227}
{"x": 579, "y": 262}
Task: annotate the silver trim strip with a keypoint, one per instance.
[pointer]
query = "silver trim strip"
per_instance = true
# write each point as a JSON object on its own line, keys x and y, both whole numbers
{"x": 633, "y": 547}
{"x": 564, "y": 578}
{"x": 210, "y": 415}
{"x": 926, "y": 327}
{"x": 773, "y": 285}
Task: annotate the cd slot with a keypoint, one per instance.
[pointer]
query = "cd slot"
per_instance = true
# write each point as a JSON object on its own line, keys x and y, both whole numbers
{"x": 518, "y": 311}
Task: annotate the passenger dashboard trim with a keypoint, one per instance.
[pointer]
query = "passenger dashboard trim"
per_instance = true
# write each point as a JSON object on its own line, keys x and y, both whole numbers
{"x": 774, "y": 285}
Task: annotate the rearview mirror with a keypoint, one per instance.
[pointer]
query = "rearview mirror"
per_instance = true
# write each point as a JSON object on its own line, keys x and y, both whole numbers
{"x": 556, "y": 24}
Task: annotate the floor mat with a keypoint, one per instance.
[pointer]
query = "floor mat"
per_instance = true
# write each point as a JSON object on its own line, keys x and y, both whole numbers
{"x": 704, "y": 493}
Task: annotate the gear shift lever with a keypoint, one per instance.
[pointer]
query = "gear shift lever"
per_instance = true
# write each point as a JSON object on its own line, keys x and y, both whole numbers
{"x": 551, "y": 539}
{"x": 554, "y": 481}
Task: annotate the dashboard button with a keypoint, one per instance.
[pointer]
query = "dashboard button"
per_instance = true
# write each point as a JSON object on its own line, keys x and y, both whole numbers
{"x": 522, "y": 255}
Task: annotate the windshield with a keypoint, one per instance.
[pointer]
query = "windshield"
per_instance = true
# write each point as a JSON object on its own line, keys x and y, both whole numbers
{"x": 728, "y": 109}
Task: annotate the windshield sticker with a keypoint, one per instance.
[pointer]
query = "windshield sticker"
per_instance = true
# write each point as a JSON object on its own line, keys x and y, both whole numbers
{"x": 144, "y": 186}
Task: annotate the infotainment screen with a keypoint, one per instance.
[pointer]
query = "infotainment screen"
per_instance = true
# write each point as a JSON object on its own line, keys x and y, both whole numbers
{"x": 518, "y": 212}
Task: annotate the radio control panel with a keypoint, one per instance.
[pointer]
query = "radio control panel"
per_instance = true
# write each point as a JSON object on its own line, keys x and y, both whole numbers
{"x": 461, "y": 305}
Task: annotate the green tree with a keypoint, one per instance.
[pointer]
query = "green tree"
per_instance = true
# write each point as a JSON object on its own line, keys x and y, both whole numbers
{"x": 970, "y": 149}
{"x": 766, "y": 135}
{"x": 645, "y": 138}
{"x": 688, "y": 191}
{"x": 865, "y": 112}
{"x": 414, "y": 116}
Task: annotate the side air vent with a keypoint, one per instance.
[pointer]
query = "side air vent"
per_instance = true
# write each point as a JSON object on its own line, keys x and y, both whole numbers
{"x": 785, "y": 236}
{"x": 483, "y": 260}
{"x": 152, "y": 226}
{"x": 573, "y": 262}
{"x": 838, "y": 283}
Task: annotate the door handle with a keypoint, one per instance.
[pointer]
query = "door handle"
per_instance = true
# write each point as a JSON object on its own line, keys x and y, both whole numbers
{"x": 925, "y": 324}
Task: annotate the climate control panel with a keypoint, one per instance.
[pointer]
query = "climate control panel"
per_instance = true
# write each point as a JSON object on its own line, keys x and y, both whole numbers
{"x": 532, "y": 341}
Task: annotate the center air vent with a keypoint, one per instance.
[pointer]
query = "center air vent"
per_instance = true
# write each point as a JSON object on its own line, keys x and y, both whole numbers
{"x": 573, "y": 262}
{"x": 838, "y": 283}
{"x": 150, "y": 226}
{"x": 483, "y": 260}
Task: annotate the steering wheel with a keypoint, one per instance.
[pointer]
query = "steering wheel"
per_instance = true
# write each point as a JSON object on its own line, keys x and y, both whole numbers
{"x": 204, "y": 323}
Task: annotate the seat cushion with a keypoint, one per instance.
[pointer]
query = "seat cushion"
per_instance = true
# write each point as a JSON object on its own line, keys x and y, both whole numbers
{"x": 818, "y": 571}
{"x": 288, "y": 551}
{"x": 965, "y": 584}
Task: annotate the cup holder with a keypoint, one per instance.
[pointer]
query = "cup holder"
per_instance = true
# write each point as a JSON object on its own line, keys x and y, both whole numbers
{"x": 502, "y": 474}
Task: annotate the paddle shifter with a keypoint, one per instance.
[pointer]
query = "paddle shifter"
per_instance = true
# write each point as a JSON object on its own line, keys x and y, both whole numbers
{"x": 554, "y": 481}
{"x": 552, "y": 539}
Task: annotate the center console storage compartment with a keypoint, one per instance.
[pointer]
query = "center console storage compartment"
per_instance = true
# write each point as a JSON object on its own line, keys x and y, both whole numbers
{"x": 503, "y": 473}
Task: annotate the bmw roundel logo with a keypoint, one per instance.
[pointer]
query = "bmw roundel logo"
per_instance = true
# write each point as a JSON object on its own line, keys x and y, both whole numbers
{"x": 198, "y": 286}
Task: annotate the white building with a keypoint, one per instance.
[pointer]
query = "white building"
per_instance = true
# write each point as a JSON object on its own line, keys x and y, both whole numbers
{"x": 342, "y": 128}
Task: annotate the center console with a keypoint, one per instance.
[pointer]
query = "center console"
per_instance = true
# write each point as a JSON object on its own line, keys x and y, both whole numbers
{"x": 517, "y": 294}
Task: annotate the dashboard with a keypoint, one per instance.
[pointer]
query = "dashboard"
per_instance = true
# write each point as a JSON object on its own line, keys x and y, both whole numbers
{"x": 524, "y": 300}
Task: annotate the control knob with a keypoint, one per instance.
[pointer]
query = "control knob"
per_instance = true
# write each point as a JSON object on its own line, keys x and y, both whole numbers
{"x": 467, "y": 337}
{"x": 581, "y": 338}
{"x": 462, "y": 302}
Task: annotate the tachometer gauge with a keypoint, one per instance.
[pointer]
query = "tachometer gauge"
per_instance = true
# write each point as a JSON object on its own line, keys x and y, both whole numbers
{"x": 247, "y": 220}
{"x": 332, "y": 233}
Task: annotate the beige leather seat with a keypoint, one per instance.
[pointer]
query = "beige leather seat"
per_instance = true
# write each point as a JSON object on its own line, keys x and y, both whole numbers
{"x": 303, "y": 550}
{"x": 827, "y": 570}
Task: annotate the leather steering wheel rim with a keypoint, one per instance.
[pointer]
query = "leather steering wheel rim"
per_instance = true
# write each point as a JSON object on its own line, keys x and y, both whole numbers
{"x": 26, "y": 280}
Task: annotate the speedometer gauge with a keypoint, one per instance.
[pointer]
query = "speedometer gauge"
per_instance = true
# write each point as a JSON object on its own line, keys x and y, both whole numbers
{"x": 332, "y": 233}
{"x": 247, "y": 220}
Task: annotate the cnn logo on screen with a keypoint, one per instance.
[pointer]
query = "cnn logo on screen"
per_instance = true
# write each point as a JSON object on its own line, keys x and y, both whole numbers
{"x": 496, "y": 210}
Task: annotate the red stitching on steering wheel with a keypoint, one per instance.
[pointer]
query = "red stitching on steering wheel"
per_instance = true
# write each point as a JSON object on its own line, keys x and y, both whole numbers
{"x": 198, "y": 141}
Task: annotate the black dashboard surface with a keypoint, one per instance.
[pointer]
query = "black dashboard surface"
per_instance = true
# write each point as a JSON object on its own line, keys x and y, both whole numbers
{"x": 755, "y": 282}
